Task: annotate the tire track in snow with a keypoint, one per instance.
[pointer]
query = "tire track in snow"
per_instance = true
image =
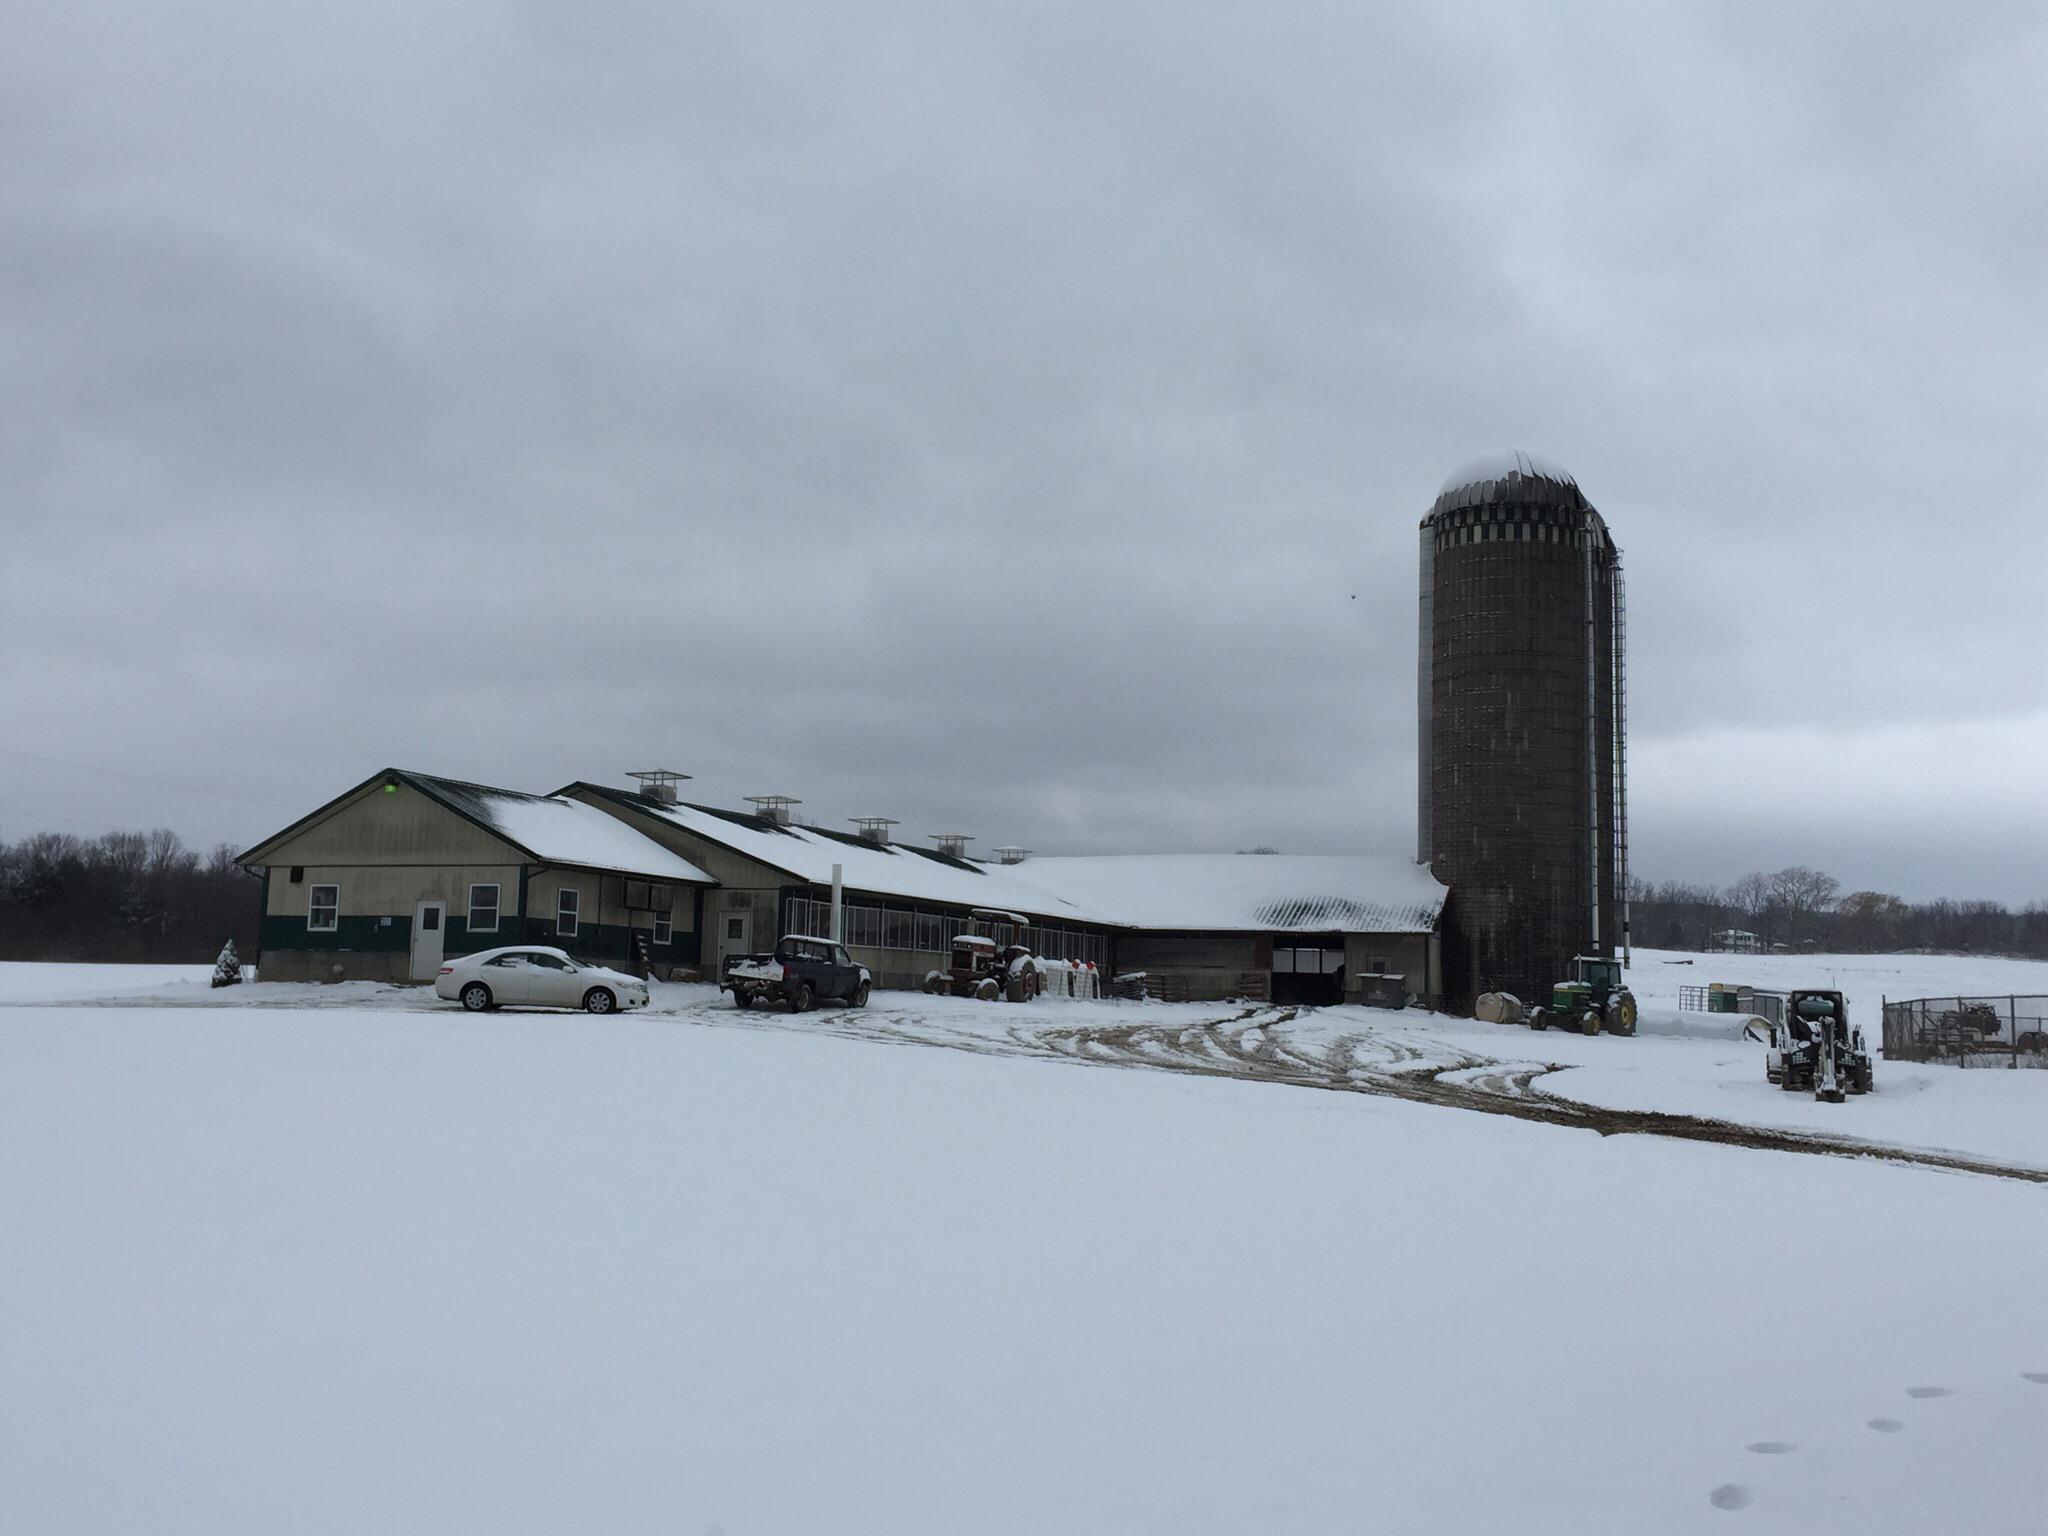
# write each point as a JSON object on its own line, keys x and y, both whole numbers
{"x": 1255, "y": 1045}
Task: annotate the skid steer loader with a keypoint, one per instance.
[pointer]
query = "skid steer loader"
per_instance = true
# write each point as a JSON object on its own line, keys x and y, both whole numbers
{"x": 1816, "y": 1048}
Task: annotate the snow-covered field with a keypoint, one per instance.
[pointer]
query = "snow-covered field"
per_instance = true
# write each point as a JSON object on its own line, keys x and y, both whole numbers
{"x": 341, "y": 1259}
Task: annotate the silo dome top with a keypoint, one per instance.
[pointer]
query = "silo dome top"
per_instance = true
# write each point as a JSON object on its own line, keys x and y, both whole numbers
{"x": 1511, "y": 478}
{"x": 1498, "y": 466}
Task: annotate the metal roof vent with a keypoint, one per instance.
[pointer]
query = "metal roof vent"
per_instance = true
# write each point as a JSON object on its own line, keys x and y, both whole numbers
{"x": 874, "y": 829}
{"x": 773, "y": 808}
{"x": 1013, "y": 854}
{"x": 952, "y": 844}
{"x": 659, "y": 783}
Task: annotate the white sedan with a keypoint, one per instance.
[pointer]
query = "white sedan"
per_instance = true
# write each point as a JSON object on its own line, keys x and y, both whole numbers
{"x": 533, "y": 976}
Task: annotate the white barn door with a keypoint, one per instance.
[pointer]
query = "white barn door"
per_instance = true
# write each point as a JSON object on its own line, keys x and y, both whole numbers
{"x": 429, "y": 938}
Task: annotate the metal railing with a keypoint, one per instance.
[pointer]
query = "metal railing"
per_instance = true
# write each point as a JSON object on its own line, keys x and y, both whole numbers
{"x": 1992, "y": 1031}
{"x": 1748, "y": 1001}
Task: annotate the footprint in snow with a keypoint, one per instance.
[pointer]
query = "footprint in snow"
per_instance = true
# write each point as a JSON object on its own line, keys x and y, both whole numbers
{"x": 2040, "y": 1376}
{"x": 1771, "y": 1447}
{"x": 1930, "y": 1391}
{"x": 1887, "y": 1426}
{"x": 1731, "y": 1496}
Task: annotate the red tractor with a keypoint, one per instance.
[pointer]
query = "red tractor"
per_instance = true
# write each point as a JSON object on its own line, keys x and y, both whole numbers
{"x": 991, "y": 965}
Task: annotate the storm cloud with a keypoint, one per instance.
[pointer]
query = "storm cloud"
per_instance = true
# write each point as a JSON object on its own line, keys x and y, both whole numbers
{"x": 1015, "y": 418}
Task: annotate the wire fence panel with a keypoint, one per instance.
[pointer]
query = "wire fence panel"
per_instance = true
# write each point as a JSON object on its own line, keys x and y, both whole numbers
{"x": 1992, "y": 1031}
{"x": 1720, "y": 998}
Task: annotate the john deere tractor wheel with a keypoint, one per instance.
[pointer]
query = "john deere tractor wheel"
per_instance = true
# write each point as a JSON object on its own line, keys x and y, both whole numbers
{"x": 1621, "y": 1014}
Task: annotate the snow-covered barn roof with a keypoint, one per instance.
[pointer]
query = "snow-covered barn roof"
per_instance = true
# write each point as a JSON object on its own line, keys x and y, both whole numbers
{"x": 547, "y": 828}
{"x": 556, "y": 830}
{"x": 891, "y": 869}
{"x": 1276, "y": 893}
{"x": 1233, "y": 892}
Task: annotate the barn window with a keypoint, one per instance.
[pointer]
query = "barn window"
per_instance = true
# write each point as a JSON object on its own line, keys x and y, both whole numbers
{"x": 483, "y": 909}
{"x": 568, "y": 912}
{"x": 664, "y": 926}
{"x": 323, "y": 908}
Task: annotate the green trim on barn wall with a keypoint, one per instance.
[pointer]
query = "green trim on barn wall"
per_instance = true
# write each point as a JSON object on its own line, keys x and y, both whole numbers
{"x": 348, "y": 933}
{"x": 594, "y": 941}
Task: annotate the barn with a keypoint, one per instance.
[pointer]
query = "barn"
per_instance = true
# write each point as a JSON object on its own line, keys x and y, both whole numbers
{"x": 386, "y": 880}
{"x": 1295, "y": 928}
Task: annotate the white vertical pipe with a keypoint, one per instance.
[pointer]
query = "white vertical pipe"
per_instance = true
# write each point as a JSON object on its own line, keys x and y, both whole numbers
{"x": 838, "y": 905}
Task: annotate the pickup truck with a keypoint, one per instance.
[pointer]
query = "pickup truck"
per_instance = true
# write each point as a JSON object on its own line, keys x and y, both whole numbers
{"x": 802, "y": 970}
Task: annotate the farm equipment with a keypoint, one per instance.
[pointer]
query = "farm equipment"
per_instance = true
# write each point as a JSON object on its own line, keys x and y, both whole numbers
{"x": 989, "y": 967}
{"x": 1594, "y": 999}
{"x": 1970, "y": 1024}
{"x": 1817, "y": 1048}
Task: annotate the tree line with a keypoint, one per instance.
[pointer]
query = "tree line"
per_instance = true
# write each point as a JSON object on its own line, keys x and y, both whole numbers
{"x": 1805, "y": 909}
{"x": 123, "y": 896}
{"x": 146, "y": 896}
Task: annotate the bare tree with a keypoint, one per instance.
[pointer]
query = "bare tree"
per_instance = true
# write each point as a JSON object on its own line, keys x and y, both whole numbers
{"x": 1750, "y": 898}
{"x": 1872, "y": 921}
{"x": 1800, "y": 896}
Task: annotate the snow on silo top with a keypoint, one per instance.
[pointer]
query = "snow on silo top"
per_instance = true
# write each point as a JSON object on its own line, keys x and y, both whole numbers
{"x": 1498, "y": 466}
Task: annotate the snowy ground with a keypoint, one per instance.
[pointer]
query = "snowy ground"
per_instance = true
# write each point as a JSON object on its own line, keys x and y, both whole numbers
{"x": 327, "y": 1259}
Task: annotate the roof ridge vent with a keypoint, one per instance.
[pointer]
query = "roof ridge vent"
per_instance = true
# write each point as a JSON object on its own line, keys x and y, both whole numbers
{"x": 1010, "y": 853}
{"x": 659, "y": 783}
{"x": 952, "y": 844}
{"x": 874, "y": 829}
{"x": 773, "y": 808}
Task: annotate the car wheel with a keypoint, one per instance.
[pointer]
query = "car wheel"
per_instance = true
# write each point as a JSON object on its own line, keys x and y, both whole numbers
{"x": 476, "y": 997}
{"x": 860, "y": 996}
{"x": 800, "y": 999}
{"x": 743, "y": 999}
{"x": 599, "y": 1000}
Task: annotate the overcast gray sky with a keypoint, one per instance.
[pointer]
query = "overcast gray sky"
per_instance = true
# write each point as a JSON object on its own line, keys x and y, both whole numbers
{"x": 1015, "y": 418}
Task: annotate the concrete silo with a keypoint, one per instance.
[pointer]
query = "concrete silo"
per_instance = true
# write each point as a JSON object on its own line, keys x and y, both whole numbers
{"x": 1523, "y": 735}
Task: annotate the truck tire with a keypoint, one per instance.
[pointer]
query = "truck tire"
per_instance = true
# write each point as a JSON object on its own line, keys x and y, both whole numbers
{"x": 800, "y": 999}
{"x": 860, "y": 996}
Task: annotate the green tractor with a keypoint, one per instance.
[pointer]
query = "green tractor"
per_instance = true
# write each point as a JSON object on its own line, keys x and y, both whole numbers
{"x": 1594, "y": 999}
